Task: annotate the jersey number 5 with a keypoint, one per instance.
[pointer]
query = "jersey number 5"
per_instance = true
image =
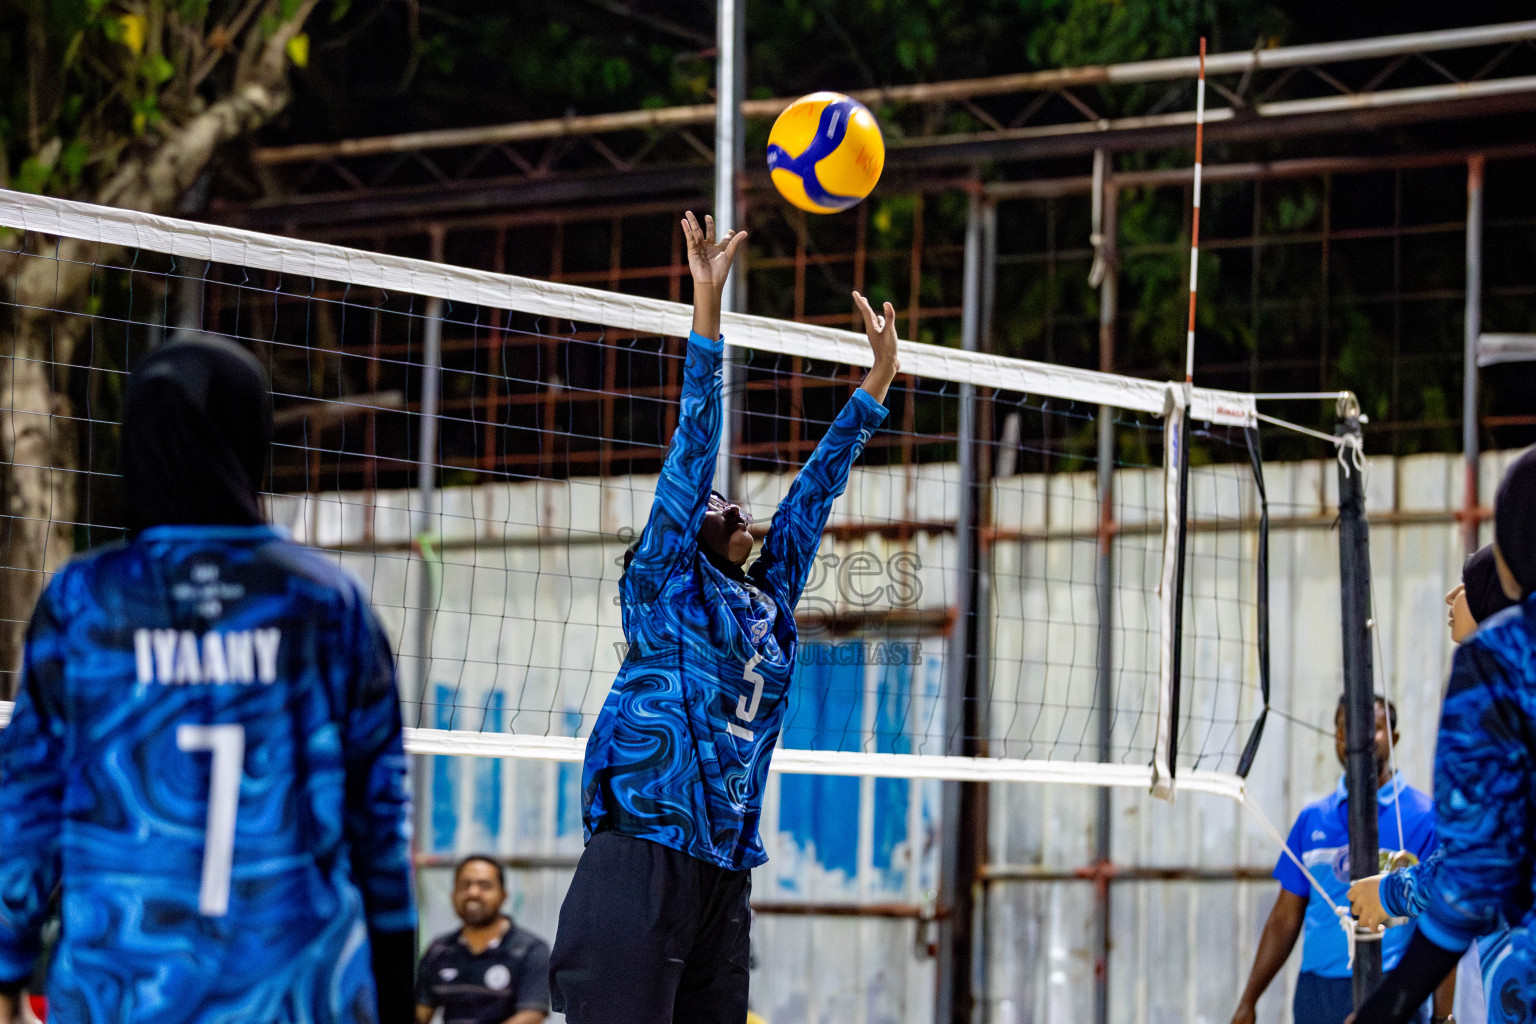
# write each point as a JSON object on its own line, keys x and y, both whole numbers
{"x": 227, "y": 744}
{"x": 744, "y": 711}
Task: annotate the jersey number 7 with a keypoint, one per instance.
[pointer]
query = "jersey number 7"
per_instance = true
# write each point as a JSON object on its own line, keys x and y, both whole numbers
{"x": 227, "y": 744}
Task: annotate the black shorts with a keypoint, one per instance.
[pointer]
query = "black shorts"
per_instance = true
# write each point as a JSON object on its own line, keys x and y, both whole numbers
{"x": 650, "y": 935}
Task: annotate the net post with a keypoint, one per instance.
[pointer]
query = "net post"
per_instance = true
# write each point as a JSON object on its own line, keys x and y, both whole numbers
{"x": 730, "y": 81}
{"x": 1473, "y": 330}
{"x": 1359, "y": 689}
{"x": 1106, "y": 268}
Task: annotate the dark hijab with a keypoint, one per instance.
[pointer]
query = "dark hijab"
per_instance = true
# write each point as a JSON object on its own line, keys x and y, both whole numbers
{"x": 197, "y": 423}
{"x": 1514, "y": 519}
{"x": 1485, "y": 596}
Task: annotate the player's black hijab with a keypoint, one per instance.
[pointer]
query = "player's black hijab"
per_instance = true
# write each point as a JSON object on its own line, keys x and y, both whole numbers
{"x": 1485, "y": 596}
{"x": 197, "y": 424}
{"x": 1514, "y": 519}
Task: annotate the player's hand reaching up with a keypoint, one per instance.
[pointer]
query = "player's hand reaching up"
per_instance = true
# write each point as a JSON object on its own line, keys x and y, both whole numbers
{"x": 710, "y": 263}
{"x": 881, "y": 330}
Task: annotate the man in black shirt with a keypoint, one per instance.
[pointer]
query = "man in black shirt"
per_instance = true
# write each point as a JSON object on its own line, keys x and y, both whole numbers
{"x": 490, "y": 971}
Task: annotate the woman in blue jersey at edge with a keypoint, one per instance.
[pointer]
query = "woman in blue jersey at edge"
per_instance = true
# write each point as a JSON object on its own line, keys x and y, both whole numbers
{"x": 655, "y": 925}
{"x": 205, "y": 758}
{"x": 1380, "y": 898}
{"x": 1485, "y": 772}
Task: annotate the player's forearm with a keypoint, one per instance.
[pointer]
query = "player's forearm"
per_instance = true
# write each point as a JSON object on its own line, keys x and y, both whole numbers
{"x": 878, "y": 380}
{"x": 1422, "y": 969}
{"x": 1402, "y": 892}
{"x": 378, "y": 829}
{"x": 706, "y": 309}
{"x": 689, "y": 467}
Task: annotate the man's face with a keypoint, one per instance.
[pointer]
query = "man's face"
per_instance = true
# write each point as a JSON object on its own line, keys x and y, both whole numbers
{"x": 726, "y": 530}
{"x": 1383, "y": 751}
{"x": 477, "y": 894}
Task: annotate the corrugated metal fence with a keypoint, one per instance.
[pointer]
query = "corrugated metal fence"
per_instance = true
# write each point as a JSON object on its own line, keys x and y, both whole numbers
{"x": 842, "y": 936}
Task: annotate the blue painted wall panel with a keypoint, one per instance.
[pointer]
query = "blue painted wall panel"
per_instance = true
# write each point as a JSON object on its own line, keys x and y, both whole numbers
{"x": 893, "y": 701}
{"x": 826, "y": 712}
{"x": 488, "y": 773}
{"x": 445, "y": 777}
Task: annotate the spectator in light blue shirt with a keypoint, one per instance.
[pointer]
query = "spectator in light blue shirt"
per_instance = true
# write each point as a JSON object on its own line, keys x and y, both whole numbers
{"x": 1320, "y": 837}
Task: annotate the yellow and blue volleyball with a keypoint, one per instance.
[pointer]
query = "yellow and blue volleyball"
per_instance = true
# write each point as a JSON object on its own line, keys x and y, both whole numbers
{"x": 825, "y": 152}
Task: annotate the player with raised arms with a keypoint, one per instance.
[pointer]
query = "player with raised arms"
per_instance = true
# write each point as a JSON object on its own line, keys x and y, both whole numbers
{"x": 206, "y": 751}
{"x": 654, "y": 927}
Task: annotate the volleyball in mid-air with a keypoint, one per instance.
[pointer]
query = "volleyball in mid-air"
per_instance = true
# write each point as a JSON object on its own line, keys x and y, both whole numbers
{"x": 825, "y": 152}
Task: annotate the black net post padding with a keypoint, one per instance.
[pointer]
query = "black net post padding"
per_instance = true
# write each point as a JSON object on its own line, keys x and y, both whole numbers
{"x": 1360, "y": 769}
{"x": 1178, "y": 600}
{"x": 1251, "y": 749}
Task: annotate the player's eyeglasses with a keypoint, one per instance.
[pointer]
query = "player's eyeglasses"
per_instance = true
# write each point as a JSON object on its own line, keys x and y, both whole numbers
{"x": 718, "y": 503}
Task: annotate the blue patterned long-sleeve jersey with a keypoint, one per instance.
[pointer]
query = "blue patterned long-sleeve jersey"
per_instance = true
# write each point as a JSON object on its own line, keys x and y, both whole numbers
{"x": 206, "y": 757}
{"x": 679, "y": 754}
{"x": 1485, "y": 775}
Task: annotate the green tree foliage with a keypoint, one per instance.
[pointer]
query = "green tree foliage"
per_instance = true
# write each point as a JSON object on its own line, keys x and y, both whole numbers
{"x": 123, "y": 103}
{"x": 98, "y": 85}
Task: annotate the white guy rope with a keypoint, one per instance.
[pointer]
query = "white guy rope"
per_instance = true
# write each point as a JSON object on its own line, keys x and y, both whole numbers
{"x": 1352, "y": 933}
{"x": 218, "y": 244}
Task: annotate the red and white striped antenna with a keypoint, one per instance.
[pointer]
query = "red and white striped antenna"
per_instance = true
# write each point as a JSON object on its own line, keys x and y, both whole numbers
{"x": 1194, "y": 239}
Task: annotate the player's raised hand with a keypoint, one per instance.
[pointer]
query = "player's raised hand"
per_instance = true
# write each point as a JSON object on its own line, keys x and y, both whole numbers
{"x": 708, "y": 260}
{"x": 881, "y": 329}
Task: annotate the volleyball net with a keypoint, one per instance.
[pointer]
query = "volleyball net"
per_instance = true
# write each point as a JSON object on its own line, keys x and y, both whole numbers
{"x": 1016, "y": 585}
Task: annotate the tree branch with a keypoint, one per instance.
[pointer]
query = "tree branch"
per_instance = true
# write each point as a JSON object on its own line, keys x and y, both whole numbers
{"x": 231, "y": 30}
{"x": 155, "y": 181}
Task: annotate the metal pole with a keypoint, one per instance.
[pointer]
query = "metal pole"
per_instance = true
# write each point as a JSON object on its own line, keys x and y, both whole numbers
{"x": 1360, "y": 770}
{"x": 426, "y": 478}
{"x": 1105, "y": 228}
{"x": 961, "y": 859}
{"x": 1474, "y": 328}
{"x": 982, "y": 673}
{"x": 729, "y": 79}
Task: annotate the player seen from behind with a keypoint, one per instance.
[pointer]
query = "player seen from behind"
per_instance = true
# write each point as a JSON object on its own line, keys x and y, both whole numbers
{"x": 655, "y": 925}
{"x": 1485, "y": 773}
{"x": 206, "y": 751}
